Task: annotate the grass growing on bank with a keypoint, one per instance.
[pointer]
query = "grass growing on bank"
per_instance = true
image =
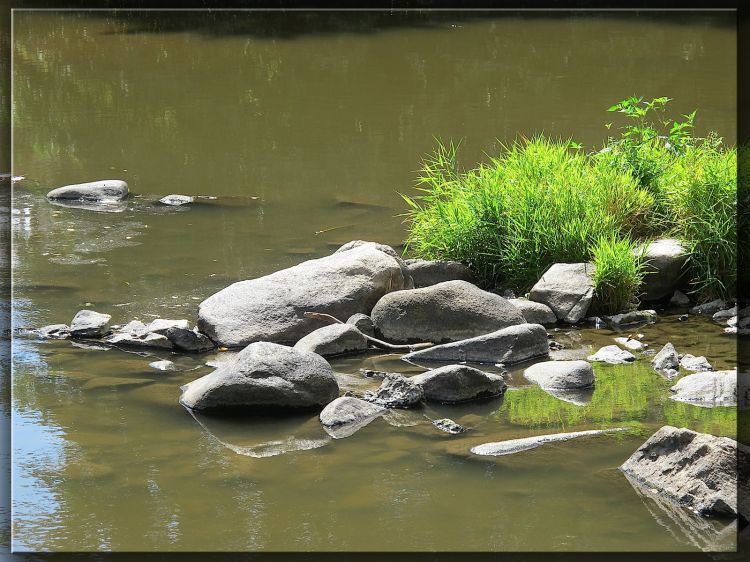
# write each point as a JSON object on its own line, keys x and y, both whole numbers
{"x": 543, "y": 200}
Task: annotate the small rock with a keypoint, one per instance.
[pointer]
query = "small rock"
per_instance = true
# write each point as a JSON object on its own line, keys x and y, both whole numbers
{"x": 693, "y": 363}
{"x": 679, "y": 299}
{"x": 667, "y": 358}
{"x": 458, "y": 383}
{"x": 163, "y": 365}
{"x": 54, "y": 331}
{"x": 612, "y": 354}
{"x": 449, "y": 426}
{"x": 336, "y": 339}
{"x": 723, "y": 315}
{"x": 561, "y": 375}
{"x": 176, "y": 200}
{"x": 683, "y": 317}
{"x": 345, "y": 415}
{"x": 631, "y": 343}
{"x": 509, "y": 294}
{"x": 617, "y": 321}
{"x": 396, "y": 391}
{"x": 363, "y": 323}
{"x": 707, "y": 389}
{"x": 88, "y": 323}
{"x": 191, "y": 341}
{"x": 709, "y": 308}
{"x": 148, "y": 339}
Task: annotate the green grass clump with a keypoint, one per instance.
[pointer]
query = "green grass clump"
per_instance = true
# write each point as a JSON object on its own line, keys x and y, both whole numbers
{"x": 618, "y": 274}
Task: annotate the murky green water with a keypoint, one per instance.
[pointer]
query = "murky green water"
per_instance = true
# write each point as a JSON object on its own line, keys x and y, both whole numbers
{"x": 306, "y": 138}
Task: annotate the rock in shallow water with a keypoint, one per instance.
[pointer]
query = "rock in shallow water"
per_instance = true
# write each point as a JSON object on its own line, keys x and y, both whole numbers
{"x": 54, "y": 331}
{"x": 336, "y": 339}
{"x": 709, "y": 308}
{"x": 633, "y": 318}
{"x": 630, "y": 343}
{"x": 163, "y": 365}
{"x": 95, "y": 191}
{"x": 458, "y": 383}
{"x": 696, "y": 470}
{"x": 264, "y": 377}
{"x": 396, "y": 391}
{"x": 693, "y": 363}
{"x": 88, "y": 323}
{"x": 449, "y": 311}
{"x": 191, "y": 341}
{"x": 272, "y": 308}
{"x": 667, "y": 358}
{"x": 561, "y": 375}
{"x": 567, "y": 289}
{"x": 707, "y": 389}
{"x": 612, "y": 354}
{"x": 345, "y": 415}
{"x": 449, "y": 426}
{"x": 176, "y": 200}
{"x": 517, "y": 445}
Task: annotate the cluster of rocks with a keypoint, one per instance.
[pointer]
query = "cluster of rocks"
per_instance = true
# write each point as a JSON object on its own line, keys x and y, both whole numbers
{"x": 100, "y": 193}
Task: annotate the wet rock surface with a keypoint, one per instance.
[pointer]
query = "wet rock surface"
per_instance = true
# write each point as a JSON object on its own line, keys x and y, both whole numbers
{"x": 567, "y": 289}
{"x": 175, "y": 200}
{"x": 458, "y": 383}
{"x": 336, "y": 339}
{"x": 449, "y": 426}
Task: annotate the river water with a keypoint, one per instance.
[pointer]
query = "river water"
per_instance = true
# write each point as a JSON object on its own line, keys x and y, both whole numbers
{"x": 305, "y": 127}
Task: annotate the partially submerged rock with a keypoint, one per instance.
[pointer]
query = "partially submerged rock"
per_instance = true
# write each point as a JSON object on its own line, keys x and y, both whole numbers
{"x": 561, "y": 375}
{"x": 707, "y": 389}
{"x": 517, "y": 445}
{"x": 612, "y": 354}
{"x": 667, "y": 358}
{"x": 345, "y": 415}
{"x": 89, "y": 323}
{"x": 94, "y": 192}
{"x": 695, "y": 470}
{"x": 176, "y": 200}
{"x": 567, "y": 289}
{"x": 336, "y": 339}
{"x": 363, "y": 323}
{"x": 164, "y": 365}
{"x": 161, "y": 325}
{"x": 692, "y": 363}
{"x": 458, "y": 383}
{"x": 448, "y": 311}
{"x": 264, "y": 377}
{"x": 724, "y": 315}
{"x": 396, "y": 391}
{"x": 271, "y": 308}
{"x": 147, "y": 339}
{"x": 191, "y": 341}
{"x": 535, "y": 312}
{"x": 631, "y": 343}
{"x": 449, "y": 426}
{"x": 665, "y": 265}
{"x": 53, "y": 331}
{"x": 636, "y": 317}
{"x": 509, "y": 345}
{"x": 426, "y": 273}
{"x": 709, "y": 308}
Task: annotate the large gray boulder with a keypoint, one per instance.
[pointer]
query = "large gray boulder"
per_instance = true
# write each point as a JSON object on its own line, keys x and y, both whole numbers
{"x": 95, "y": 191}
{"x": 271, "y": 308}
{"x": 567, "y": 288}
{"x": 264, "y": 377}
{"x": 458, "y": 383}
{"x": 695, "y": 470}
{"x": 426, "y": 273}
{"x": 707, "y": 389}
{"x": 89, "y": 323}
{"x": 347, "y": 414}
{"x": 449, "y": 311}
{"x": 665, "y": 264}
{"x": 561, "y": 375}
{"x": 332, "y": 340}
{"x": 509, "y": 345}
{"x": 535, "y": 312}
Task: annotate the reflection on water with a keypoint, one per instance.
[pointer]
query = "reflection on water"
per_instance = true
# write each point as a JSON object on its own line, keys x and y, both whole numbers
{"x": 305, "y": 140}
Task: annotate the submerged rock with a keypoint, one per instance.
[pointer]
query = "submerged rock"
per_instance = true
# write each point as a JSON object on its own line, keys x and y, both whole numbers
{"x": 426, "y": 273}
{"x": 332, "y": 340}
{"x": 449, "y": 426}
{"x": 363, "y": 323}
{"x": 695, "y": 470}
{"x": 635, "y": 317}
{"x": 272, "y": 308}
{"x": 517, "y": 445}
{"x": 191, "y": 341}
{"x": 509, "y": 345}
{"x": 535, "y": 312}
{"x": 264, "y": 377}
{"x": 612, "y": 354}
{"x": 567, "y": 289}
{"x": 693, "y": 363}
{"x": 665, "y": 265}
{"x": 448, "y": 311}
{"x": 345, "y": 415}
{"x": 707, "y": 389}
{"x": 458, "y": 383}
{"x": 89, "y": 323}
{"x": 176, "y": 200}
{"x": 95, "y": 191}
{"x": 396, "y": 391}
{"x": 561, "y": 375}
{"x": 667, "y": 358}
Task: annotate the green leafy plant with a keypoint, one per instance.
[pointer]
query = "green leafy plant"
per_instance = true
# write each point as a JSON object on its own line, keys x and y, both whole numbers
{"x": 619, "y": 273}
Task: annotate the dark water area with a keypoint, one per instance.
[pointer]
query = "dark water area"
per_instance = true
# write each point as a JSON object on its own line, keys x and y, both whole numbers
{"x": 305, "y": 128}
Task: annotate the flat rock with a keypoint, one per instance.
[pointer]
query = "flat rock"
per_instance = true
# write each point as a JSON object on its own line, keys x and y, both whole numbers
{"x": 561, "y": 375}
{"x": 458, "y": 383}
{"x": 449, "y": 426}
{"x": 426, "y": 273}
{"x": 707, "y": 389}
{"x": 631, "y": 343}
{"x": 53, "y": 331}
{"x": 191, "y": 341}
{"x": 667, "y": 358}
{"x": 161, "y": 325}
{"x": 336, "y": 339}
{"x": 395, "y": 391}
{"x": 176, "y": 200}
{"x": 679, "y": 299}
{"x": 163, "y": 365}
{"x": 693, "y": 363}
{"x": 88, "y": 323}
{"x": 709, "y": 308}
{"x": 567, "y": 289}
{"x": 95, "y": 191}
{"x": 633, "y": 318}
{"x": 363, "y": 323}
{"x": 129, "y": 339}
{"x": 665, "y": 265}
{"x": 694, "y": 470}
{"x": 535, "y": 312}
{"x": 271, "y": 308}
{"x": 345, "y": 415}
{"x": 509, "y": 345}
{"x": 517, "y": 445}
{"x": 448, "y": 311}
{"x": 612, "y": 354}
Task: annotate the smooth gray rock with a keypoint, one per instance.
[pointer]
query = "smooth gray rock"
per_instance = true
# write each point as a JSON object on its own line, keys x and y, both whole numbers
{"x": 631, "y": 343}
{"x": 175, "y": 200}
{"x": 709, "y": 308}
{"x": 191, "y": 341}
{"x": 54, "y": 331}
{"x": 665, "y": 265}
{"x": 427, "y": 273}
{"x": 613, "y": 355}
{"x": 449, "y": 311}
{"x": 707, "y": 389}
{"x": 724, "y": 315}
{"x": 395, "y": 391}
{"x": 271, "y": 308}
{"x": 667, "y": 358}
{"x": 561, "y": 375}
{"x": 332, "y": 340}
{"x": 535, "y": 312}
{"x": 524, "y": 444}
{"x": 566, "y": 288}
{"x": 449, "y": 426}
{"x": 695, "y": 470}
{"x": 458, "y": 383}
{"x": 129, "y": 339}
{"x": 94, "y": 192}
{"x": 161, "y": 325}
{"x": 679, "y": 299}
{"x": 509, "y": 345}
{"x": 633, "y": 318}
{"x": 345, "y": 415}
{"x": 693, "y": 363}
{"x": 264, "y": 377}
{"x": 363, "y": 323}
{"x": 88, "y": 323}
